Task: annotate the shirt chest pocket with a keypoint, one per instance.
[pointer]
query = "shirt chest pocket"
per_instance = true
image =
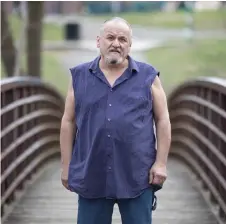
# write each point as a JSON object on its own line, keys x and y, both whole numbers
{"x": 136, "y": 101}
{"x": 90, "y": 94}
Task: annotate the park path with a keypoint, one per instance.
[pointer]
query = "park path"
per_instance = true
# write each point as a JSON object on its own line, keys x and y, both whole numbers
{"x": 90, "y": 28}
{"x": 73, "y": 53}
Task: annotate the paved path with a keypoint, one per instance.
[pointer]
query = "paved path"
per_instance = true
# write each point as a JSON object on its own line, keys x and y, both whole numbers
{"x": 46, "y": 201}
{"x": 144, "y": 38}
{"x": 90, "y": 29}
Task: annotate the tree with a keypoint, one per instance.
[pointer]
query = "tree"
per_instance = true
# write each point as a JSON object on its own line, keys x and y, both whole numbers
{"x": 34, "y": 37}
{"x": 11, "y": 56}
{"x": 7, "y": 46}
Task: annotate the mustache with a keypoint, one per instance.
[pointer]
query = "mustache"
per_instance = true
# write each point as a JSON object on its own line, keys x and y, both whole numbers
{"x": 114, "y": 50}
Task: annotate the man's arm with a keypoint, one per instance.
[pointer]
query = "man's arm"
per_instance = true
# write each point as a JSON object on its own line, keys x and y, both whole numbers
{"x": 163, "y": 132}
{"x": 67, "y": 133}
{"x": 162, "y": 121}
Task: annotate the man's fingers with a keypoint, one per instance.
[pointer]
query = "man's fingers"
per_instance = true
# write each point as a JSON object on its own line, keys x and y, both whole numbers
{"x": 65, "y": 184}
{"x": 159, "y": 179}
{"x": 150, "y": 177}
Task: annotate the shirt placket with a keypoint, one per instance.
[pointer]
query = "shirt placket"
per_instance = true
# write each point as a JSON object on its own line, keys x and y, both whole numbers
{"x": 109, "y": 145}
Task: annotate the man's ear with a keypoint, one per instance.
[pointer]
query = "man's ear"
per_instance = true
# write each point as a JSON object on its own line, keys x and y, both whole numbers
{"x": 98, "y": 41}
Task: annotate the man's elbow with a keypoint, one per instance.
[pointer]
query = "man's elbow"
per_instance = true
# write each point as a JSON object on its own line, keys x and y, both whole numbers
{"x": 67, "y": 119}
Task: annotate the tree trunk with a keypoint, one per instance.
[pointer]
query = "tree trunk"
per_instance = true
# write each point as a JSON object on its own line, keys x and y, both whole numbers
{"x": 7, "y": 47}
{"x": 34, "y": 37}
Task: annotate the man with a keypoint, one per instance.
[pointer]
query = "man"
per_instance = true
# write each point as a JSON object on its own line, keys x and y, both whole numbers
{"x": 108, "y": 144}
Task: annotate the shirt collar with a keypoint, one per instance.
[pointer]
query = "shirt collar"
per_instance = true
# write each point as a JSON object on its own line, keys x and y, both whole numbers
{"x": 94, "y": 65}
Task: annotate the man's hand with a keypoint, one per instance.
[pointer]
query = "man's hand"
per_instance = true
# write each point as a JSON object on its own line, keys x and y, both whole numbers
{"x": 157, "y": 174}
{"x": 64, "y": 178}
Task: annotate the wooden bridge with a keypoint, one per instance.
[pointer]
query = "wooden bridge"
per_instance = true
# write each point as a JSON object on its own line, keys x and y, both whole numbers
{"x": 31, "y": 191}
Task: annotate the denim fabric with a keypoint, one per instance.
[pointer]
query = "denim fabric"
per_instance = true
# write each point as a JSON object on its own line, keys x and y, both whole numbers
{"x": 133, "y": 211}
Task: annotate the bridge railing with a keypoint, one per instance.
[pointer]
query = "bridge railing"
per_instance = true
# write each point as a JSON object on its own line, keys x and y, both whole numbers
{"x": 198, "y": 117}
{"x": 30, "y": 125}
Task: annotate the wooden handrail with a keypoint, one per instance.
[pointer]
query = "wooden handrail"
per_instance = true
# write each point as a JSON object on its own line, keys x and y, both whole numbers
{"x": 198, "y": 117}
{"x": 31, "y": 113}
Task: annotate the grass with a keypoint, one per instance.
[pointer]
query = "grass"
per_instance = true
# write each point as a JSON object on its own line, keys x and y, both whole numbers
{"x": 184, "y": 61}
{"x": 52, "y": 70}
{"x": 54, "y": 73}
{"x": 177, "y": 63}
{"x": 202, "y": 20}
{"x": 52, "y": 32}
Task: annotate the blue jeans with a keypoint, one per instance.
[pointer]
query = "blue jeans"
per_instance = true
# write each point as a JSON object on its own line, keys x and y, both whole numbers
{"x": 133, "y": 211}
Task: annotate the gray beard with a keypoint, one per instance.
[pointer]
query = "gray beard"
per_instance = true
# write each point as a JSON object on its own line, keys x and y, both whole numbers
{"x": 113, "y": 62}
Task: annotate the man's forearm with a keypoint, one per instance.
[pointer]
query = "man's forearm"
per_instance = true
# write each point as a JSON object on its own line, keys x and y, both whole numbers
{"x": 66, "y": 142}
{"x": 163, "y": 131}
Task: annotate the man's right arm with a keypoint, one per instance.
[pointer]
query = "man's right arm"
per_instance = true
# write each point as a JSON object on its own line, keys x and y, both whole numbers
{"x": 67, "y": 133}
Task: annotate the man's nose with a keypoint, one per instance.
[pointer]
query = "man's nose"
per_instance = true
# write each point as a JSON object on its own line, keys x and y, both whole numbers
{"x": 116, "y": 43}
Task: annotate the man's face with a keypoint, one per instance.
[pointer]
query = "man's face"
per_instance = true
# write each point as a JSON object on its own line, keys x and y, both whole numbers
{"x": 114, "y": 42}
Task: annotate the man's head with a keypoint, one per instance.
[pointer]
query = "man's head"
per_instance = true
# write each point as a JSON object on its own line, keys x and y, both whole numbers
{"x": 115, "y": 40}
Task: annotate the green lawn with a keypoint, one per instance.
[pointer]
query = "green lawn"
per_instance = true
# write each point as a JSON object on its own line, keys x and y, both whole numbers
{"x": 52, "y": 72}
{"x": 50, "y": 31}
{"x": 178, "y": 63}
{"x": 202, "y": 20}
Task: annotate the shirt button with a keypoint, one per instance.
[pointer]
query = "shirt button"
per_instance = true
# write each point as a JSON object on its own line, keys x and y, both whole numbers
{"x": 109, "y": 136}
{"x": 109, "y": 168}
{"x": 109, "y": 105}
{"x": 111, "y": 90}
{"x": 109, "y": 119}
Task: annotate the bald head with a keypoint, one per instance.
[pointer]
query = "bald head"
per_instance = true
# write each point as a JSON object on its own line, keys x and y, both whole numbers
{"x": 115, "y": 20}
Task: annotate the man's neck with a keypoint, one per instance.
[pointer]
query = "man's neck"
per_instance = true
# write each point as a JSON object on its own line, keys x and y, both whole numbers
{"x": 113, "y": 67}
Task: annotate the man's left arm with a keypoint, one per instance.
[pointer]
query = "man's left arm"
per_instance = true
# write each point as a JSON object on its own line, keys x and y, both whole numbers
{"x": 163, "y": 132}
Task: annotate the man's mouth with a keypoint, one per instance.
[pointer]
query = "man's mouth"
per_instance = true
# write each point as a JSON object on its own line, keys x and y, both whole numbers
{"x": 115, "y": 51}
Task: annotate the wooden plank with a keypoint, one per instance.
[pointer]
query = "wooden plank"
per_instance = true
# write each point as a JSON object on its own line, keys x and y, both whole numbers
{"x": 46, "y": 201}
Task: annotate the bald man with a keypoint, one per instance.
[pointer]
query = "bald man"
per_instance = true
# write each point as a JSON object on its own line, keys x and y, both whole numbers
{"x": 108, "y": 143}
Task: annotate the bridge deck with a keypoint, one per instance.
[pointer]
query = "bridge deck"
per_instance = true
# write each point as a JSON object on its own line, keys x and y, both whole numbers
{"x": 46, "y": 201}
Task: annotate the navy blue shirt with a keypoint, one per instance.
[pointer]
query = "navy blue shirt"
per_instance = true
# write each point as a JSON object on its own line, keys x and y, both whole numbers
{"x": 114, "y": 147}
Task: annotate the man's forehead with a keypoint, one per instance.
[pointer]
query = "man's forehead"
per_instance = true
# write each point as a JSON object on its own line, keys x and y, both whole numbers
{"x": 115, "y": 32}
{"x": 117, "y": 26}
